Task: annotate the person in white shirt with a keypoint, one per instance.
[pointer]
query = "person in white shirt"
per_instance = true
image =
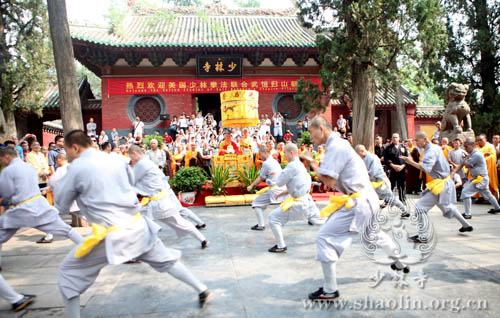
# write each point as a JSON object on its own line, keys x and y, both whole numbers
{"x": 341, "y": 122}
{"x": 278, "y": 125}
{"x": 103, "y": 138}
{"x": 115, "y": 137}
{"x": 91, "y": 127}
{"x": 267, "y": 123}
{"x": 138, "y": 127}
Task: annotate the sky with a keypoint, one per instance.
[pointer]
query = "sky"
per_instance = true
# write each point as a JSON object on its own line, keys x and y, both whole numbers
{"x": 95, "y": 10}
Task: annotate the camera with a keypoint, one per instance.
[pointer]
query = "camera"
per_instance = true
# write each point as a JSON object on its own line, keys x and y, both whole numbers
{"x": 285, "y": 115}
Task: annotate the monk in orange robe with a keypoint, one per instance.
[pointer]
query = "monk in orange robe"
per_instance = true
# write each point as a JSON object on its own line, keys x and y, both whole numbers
{"x": 445, "y": 146}
{"x": 490, "y": 155}
{"x": 228, "y": 145}
{"x": 193, "y": 157}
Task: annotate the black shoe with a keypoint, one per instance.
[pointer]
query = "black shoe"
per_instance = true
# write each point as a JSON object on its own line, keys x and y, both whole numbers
{"x": 43, "y": 240}
{"x": 133, "y": 261}
{"x": 405, "y": 215}
{"x": 405, "y": 269}
{"x": 256, "y": 227}
{"x": 199, "y": 227}
{"x": 466, "y": 229}
{"x": 320, "y": 295}
{"x": 276, "y": 249}
{"x": 416, "y": 239}
{"x": 309, "y": 222}
{"x": 494, "y": 211}
{"x": 25, "y": 301}
{"x": 204, "y": 296}
{"x": 204, "y": 244}
{"x": 382, "y": 206}
{"x": 467, "y": 216}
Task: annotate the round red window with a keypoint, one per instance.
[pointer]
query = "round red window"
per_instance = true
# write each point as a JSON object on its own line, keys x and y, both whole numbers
{"x": 148, "y": 109}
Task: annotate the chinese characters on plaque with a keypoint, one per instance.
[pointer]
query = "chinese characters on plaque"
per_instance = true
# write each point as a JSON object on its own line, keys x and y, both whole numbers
{"x": 219, "y": 66}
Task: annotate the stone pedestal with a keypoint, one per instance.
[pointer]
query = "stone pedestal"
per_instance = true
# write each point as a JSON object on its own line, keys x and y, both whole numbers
{"x": 451, "y": 135}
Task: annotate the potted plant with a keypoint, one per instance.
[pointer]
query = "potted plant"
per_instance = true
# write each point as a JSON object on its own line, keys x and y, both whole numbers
{"x": 187, "y": 181}
{"x": 247, "y": 176}
{"x": 220, "y": 178}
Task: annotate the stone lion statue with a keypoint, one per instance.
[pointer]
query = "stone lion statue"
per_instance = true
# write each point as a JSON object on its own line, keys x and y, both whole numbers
{"x": 457, "y": 111}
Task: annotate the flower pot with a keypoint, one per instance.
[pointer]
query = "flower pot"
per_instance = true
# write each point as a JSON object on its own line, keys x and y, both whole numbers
{"x": 188, "y": 197}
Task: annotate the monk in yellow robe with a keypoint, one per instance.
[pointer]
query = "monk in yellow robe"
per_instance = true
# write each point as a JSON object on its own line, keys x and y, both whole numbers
{"x": 490, "y": 155}
{"x": 280, "y": 150}
{"x": 193, "y": 157}
{"x": 177, "y": 158}
{"x": 445, "y": 146}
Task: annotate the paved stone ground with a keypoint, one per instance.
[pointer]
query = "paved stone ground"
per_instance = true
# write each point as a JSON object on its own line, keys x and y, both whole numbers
{"x": 247, "y": 281}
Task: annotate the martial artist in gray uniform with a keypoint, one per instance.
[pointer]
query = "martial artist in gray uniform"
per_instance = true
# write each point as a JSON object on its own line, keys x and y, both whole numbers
{"x": 377, "y": 174}
{"x": 150, "y": 181}
{"x": 298, "y": 184}
{"x": 343, "y": 168}
{"x": 476, "y": 164}
{"x": 435, "y": 164}
{"x": 19, "y": 186}
{"x": 269, "y": 172}
{"x": 102, "y": 188}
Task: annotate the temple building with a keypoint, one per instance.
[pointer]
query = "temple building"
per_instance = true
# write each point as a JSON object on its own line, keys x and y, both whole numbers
{"x": 168, "y": 63}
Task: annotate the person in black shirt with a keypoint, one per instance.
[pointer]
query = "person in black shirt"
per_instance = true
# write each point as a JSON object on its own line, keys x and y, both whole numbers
{"x": 397, "y": 166}
{"x": 379, "y": 147}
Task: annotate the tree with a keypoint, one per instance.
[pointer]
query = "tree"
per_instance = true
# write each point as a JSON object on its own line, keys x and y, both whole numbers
{"x": 473, "y": 57}
{"x": 248, "y": 3}
{"x": 363, "y": 42}
{"x": 71, "y": 110}
{"x": 25, "y": 60}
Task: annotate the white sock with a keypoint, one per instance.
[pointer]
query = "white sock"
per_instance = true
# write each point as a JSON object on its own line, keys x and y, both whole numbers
{"x": 8, "y": 293}
{"x": 179, "y": 271}
{"x": 278, "y": 234}
{"x": 386, "y": 243}
{"x": 467, "y": 206}
{"x": 330, "y": 275}
{"x": 191, "y": 215}
{"x": 48, "y": 237}
{"x": 460, "y": 218}
{"x": 260, "y": 216}
{"x": 76, "y": 237}
{"x": 72, "y": 307}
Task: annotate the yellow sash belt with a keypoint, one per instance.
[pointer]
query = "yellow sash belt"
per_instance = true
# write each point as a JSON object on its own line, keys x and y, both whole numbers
{"x": 336, "y": 202}
{"x": 378, "y": 184}
{"x": 437, "y": 185}
{"x": 25, "y": 201}
{"x": 477, "y": 179}
{"x": 99, "y": 233}
{"x": 264, "y": 190}
{"x": 160, "y": 195}
{"x": 288, "y": 203}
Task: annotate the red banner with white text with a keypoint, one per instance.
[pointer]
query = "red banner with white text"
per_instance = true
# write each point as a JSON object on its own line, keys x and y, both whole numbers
{"x": 133, "y": 86}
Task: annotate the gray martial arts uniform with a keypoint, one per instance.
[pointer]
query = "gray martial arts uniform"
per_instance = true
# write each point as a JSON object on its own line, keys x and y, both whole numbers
{"x": 102, "y": 186}
{"x": 457, "y": 156}
{"x": 269, "y": 171}
{"x": 298, "y": 183}
{"x": 478, "y": 167}
{"x": 376, "y": 173}
{"x": 149, "y": 181}
{"x": 18, "y": 183}
{"x": 435, "y": 164}
{"x": 343, "y": 164}
{"x": 348, "y": 169}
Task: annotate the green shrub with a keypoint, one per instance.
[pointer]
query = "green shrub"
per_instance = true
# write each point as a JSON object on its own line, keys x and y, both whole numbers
{"x": 188, "y": 179}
